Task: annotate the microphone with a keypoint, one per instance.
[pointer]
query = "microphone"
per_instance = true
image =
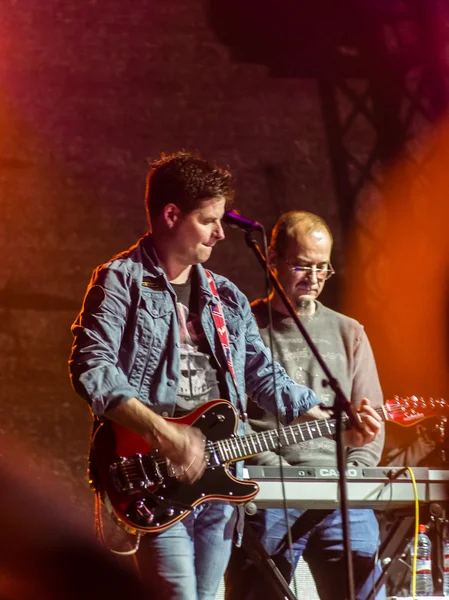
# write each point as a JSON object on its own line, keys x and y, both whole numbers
{"x": 234, "y": 219}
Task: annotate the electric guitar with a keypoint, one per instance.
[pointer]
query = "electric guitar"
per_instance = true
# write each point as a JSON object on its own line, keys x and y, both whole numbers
{"x": 142, "y": 494}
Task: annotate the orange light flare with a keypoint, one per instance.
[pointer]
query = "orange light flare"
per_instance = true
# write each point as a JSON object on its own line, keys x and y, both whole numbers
{"x": 398, "y": 275}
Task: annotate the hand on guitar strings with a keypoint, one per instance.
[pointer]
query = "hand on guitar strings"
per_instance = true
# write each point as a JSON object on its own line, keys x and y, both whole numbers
{"x": 184, "y": 449}
{"x": 369, "y": 419}
{"x": 371, "y": 426}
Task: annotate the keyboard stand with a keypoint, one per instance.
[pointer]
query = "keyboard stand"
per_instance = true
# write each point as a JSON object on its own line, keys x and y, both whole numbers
{"x": 267, "y": 567}
{"x": 391, "y": 549}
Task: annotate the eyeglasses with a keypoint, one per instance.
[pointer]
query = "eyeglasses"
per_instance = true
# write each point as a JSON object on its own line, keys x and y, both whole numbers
{"x": 322, "y": 274}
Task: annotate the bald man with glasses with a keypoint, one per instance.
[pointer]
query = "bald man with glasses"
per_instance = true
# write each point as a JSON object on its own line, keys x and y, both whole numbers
{"x": 300, "y": 253}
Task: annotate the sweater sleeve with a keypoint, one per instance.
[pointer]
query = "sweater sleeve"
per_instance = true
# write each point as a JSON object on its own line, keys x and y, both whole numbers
{"x": 366, "y": 384}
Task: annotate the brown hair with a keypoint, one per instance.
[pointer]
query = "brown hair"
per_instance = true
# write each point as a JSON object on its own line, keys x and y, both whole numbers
{"x": 185, "y": 180}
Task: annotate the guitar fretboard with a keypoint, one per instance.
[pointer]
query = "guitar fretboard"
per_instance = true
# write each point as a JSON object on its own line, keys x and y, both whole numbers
{"x": 239, "y": 447}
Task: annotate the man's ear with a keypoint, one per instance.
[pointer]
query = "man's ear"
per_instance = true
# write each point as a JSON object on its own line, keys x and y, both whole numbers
{"x": 171, "y": 214}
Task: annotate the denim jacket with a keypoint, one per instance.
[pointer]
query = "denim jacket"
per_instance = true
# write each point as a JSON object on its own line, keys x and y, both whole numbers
{"x": 127, "y": 341}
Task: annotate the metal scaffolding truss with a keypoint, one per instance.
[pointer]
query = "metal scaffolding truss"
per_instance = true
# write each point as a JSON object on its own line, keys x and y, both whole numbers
{"x": 379, "y": 104}
{"x": 376, "y": 112}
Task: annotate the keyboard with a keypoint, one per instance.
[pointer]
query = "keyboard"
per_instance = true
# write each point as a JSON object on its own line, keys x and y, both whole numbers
{"x": 379, "y": 488}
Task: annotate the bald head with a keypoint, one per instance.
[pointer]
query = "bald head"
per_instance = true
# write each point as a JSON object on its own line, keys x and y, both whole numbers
{"x": 301, "y": 239}
{"x": 299, "y": 227}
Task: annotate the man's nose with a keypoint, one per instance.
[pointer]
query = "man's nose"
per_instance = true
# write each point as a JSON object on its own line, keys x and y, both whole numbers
{"x": 220, "y": 234}
{"x": 312, "y": 275}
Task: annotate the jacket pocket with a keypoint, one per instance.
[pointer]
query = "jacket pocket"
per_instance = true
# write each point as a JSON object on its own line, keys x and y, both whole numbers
{"x": 156, "y": 303}
{"x": 234, "y": 324}
{"x": 154, "y": 316}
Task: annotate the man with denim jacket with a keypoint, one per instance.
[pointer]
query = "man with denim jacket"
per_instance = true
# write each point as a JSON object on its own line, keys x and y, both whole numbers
{"x": 145, "y": 347}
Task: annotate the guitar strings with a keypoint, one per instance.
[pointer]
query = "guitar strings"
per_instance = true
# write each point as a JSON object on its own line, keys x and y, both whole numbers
{"x": 132, "y": 468}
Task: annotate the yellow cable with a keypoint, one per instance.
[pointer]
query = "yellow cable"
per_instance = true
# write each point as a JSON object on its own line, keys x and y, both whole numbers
{"x": 415, "y": 541}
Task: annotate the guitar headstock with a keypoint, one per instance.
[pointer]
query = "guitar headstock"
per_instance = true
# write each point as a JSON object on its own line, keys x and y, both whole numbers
{"x": 411, "y": 410}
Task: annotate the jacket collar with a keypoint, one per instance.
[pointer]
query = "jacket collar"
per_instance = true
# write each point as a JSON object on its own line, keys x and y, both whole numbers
{"x": 151, "y": 264}
{"x": 150, "y": 259}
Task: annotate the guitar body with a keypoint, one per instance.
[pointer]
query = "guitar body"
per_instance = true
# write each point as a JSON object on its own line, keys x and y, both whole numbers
{"x": 135, "y": 484}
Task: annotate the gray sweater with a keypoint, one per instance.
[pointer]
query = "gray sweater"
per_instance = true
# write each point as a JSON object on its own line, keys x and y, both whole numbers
{"x": 344, "y": 345}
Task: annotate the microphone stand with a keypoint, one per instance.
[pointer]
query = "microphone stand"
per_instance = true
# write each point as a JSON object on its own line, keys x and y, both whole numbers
{"x": 341, "y": 406}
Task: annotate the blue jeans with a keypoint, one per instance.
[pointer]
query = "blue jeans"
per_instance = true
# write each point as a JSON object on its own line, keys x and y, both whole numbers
{"x": 317, "y": 535}
{"x": 188, "y": 560}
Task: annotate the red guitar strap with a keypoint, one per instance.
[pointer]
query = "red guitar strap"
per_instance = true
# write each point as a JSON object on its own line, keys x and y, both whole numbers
{"x": 220, "y": 325}
{"x": 222, "y": 331}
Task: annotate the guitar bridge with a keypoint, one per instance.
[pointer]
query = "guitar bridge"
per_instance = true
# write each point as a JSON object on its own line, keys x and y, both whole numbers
{"x": 135, "y": 473}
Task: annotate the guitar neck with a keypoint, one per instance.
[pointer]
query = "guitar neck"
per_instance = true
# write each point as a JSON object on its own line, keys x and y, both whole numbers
{"x": 240, "y": 447}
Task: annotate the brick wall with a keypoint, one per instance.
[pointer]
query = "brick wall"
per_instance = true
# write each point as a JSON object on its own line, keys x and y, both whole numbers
{"x": 88, "y": 91}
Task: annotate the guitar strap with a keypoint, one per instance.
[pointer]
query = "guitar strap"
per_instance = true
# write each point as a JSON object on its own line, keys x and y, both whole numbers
{"x": 222, "y": 331}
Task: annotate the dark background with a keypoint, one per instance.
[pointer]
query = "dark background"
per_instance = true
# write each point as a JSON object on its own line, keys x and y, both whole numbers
{"x": 91, "y": 89}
